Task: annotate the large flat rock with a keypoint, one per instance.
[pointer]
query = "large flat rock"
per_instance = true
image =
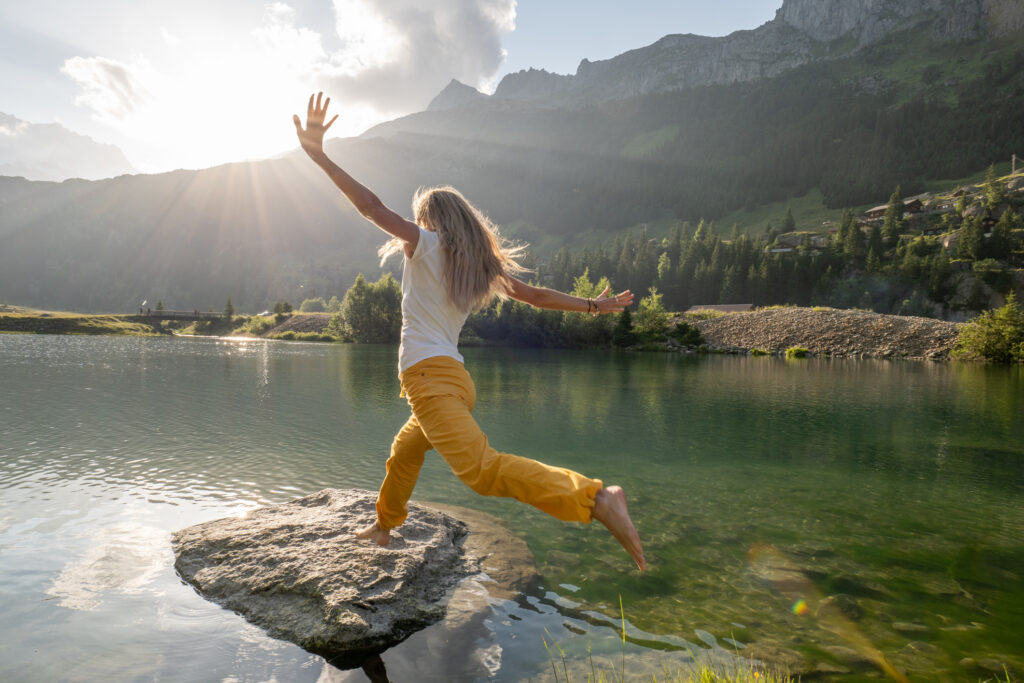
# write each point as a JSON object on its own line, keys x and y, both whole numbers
{"x": 297, "y": 571}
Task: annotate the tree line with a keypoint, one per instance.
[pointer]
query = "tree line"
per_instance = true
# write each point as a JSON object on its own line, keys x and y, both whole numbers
{"x": 889, "y": 267}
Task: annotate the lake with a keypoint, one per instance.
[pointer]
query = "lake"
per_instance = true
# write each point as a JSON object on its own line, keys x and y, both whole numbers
{"x": 893, "y": 490}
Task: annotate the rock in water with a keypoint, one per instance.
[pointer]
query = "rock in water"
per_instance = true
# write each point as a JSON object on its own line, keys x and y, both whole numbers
{"x": 297, "y": 571}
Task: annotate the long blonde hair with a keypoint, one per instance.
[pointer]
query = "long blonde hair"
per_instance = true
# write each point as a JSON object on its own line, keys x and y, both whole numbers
{"x": 478, "y": 261}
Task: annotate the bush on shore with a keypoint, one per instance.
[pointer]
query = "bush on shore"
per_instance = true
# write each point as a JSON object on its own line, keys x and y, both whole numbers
{"x": 797, "y": 352}
{"x": 996, "y": 336}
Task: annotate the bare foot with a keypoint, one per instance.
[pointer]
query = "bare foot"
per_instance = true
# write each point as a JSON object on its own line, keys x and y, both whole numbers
{"x": 376, "y": 533}
{"x": 610, "y": 509}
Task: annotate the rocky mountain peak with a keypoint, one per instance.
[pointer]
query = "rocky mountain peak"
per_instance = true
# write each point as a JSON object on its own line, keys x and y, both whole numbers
{"x": 455, "y": 94}
{"x": 867, "y": 21}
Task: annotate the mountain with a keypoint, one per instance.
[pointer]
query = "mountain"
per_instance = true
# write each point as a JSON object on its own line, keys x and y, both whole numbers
{"x": 49, "y": 151}
{"x": 871, "y": 108}
{"x": 455, "y": 94}
{"x": 803, "y": 31}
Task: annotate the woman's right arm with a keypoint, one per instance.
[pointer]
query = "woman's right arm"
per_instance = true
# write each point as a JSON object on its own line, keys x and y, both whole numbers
{"x": 366, "y": 202}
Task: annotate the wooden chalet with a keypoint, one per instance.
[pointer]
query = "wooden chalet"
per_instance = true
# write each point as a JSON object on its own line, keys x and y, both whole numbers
{"x": 721, "y": 308}
{"x": 911, "y": 205}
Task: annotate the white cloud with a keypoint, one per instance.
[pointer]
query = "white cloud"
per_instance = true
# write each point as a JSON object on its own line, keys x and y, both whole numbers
{"x": 397, "y": 55}
{"x": 297, "y": 49}
{"x": 112, "y": 89}
{"x": 226, "y": 91}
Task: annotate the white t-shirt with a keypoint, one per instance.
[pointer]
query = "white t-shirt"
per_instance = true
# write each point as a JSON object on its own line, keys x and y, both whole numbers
{"x": 430, "y": 321}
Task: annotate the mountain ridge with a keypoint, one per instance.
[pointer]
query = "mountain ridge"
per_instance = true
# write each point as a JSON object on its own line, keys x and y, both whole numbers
{"x": 51, "y": 152}
{"x": 802, "y": 32}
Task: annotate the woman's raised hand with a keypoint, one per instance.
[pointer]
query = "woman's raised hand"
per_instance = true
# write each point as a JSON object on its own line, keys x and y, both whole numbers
{"x": 312, "y": 136}
{"x": 612, "y": 304}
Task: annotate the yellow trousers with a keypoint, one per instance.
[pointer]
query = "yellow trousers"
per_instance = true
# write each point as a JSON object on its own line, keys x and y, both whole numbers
{"x": 442, "y": 396}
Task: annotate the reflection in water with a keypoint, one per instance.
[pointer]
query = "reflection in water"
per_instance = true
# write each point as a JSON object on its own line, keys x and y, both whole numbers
{"x": 126, "y": 558}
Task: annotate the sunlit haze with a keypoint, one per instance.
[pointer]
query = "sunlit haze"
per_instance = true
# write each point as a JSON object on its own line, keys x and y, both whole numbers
{"x": 193, "y": 84}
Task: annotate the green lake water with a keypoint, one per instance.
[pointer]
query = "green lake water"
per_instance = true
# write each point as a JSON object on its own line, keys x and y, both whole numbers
{"x": 899, "y": 485}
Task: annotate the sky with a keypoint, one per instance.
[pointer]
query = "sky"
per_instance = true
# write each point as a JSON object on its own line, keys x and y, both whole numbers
{"x": 195, "y": 83}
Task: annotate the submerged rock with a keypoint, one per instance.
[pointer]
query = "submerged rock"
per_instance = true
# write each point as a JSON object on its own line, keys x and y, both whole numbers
{"x": 297, "y": 571}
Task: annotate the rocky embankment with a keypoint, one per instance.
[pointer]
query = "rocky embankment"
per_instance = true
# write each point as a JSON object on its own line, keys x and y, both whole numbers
{"x": 831, "y": 332}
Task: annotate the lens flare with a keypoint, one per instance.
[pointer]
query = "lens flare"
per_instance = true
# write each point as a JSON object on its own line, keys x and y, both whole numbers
{"x": 799, "y": 607}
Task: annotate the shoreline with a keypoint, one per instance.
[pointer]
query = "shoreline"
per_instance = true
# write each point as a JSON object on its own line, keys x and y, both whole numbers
{"x": 822, "y": 332}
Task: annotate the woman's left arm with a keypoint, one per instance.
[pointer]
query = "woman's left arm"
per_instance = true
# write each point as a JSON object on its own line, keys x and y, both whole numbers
{"x": 542, "y": 297}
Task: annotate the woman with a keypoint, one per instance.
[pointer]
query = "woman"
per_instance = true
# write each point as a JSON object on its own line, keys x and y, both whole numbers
{"x": 455, "y": 262}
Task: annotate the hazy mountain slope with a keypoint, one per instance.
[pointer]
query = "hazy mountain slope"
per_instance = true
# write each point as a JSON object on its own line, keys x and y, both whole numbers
{"x": 251, "y": 231}
{"x": 52, "y": 152}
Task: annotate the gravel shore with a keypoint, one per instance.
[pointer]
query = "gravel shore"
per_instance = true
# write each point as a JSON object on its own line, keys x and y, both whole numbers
{"x": 831, "y": 332}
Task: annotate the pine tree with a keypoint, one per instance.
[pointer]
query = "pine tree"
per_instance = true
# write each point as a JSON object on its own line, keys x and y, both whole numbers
{"x": 229, "y": 310}
{"x": 160, "y": 305}
{"x": 664, "y": 267}
{"x": 651, "y": 318}
{"x": 873, "y": 263}
{"x": 788, "y": 223}
{"x": 1000, "y": 242}
{"x": 994, "y": 191}
{"x": 892, "y": 224}
{"x": 971, "y": 239}
{"x": 875, "y": 240}
{"x": 622, "y": 334}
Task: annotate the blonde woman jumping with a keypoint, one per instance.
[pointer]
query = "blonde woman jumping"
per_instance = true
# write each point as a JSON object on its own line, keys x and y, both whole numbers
{"x": 455, "y": 261}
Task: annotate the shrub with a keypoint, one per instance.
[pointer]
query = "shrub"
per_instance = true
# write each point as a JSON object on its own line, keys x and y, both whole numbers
{"x": 759, "y": 352}
{"x": 797, "y": 352}
{"x": 996, "y": 336}
{"x": 289, "y": 335}
{"x": 651, "y": 318}
{"x": 686, "y": 334}
{"x": 314, "y": 305}
{"x": 256, "y": 325}
{"x": 313, "y": 337}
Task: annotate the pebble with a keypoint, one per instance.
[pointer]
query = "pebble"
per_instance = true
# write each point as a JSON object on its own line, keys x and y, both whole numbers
{"x": 848, "y": 656}
{"x": 994, "y": 665}
{"x": 839, "y": 604}
{"x": 908, "y": 627}
{"x": 921, "y": 647}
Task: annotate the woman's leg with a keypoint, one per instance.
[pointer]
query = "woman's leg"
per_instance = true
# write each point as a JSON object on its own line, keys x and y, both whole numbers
{"x": 445, "y": 418}
{"x": 403, "y": 469}
{"x": 442, "y": 396}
